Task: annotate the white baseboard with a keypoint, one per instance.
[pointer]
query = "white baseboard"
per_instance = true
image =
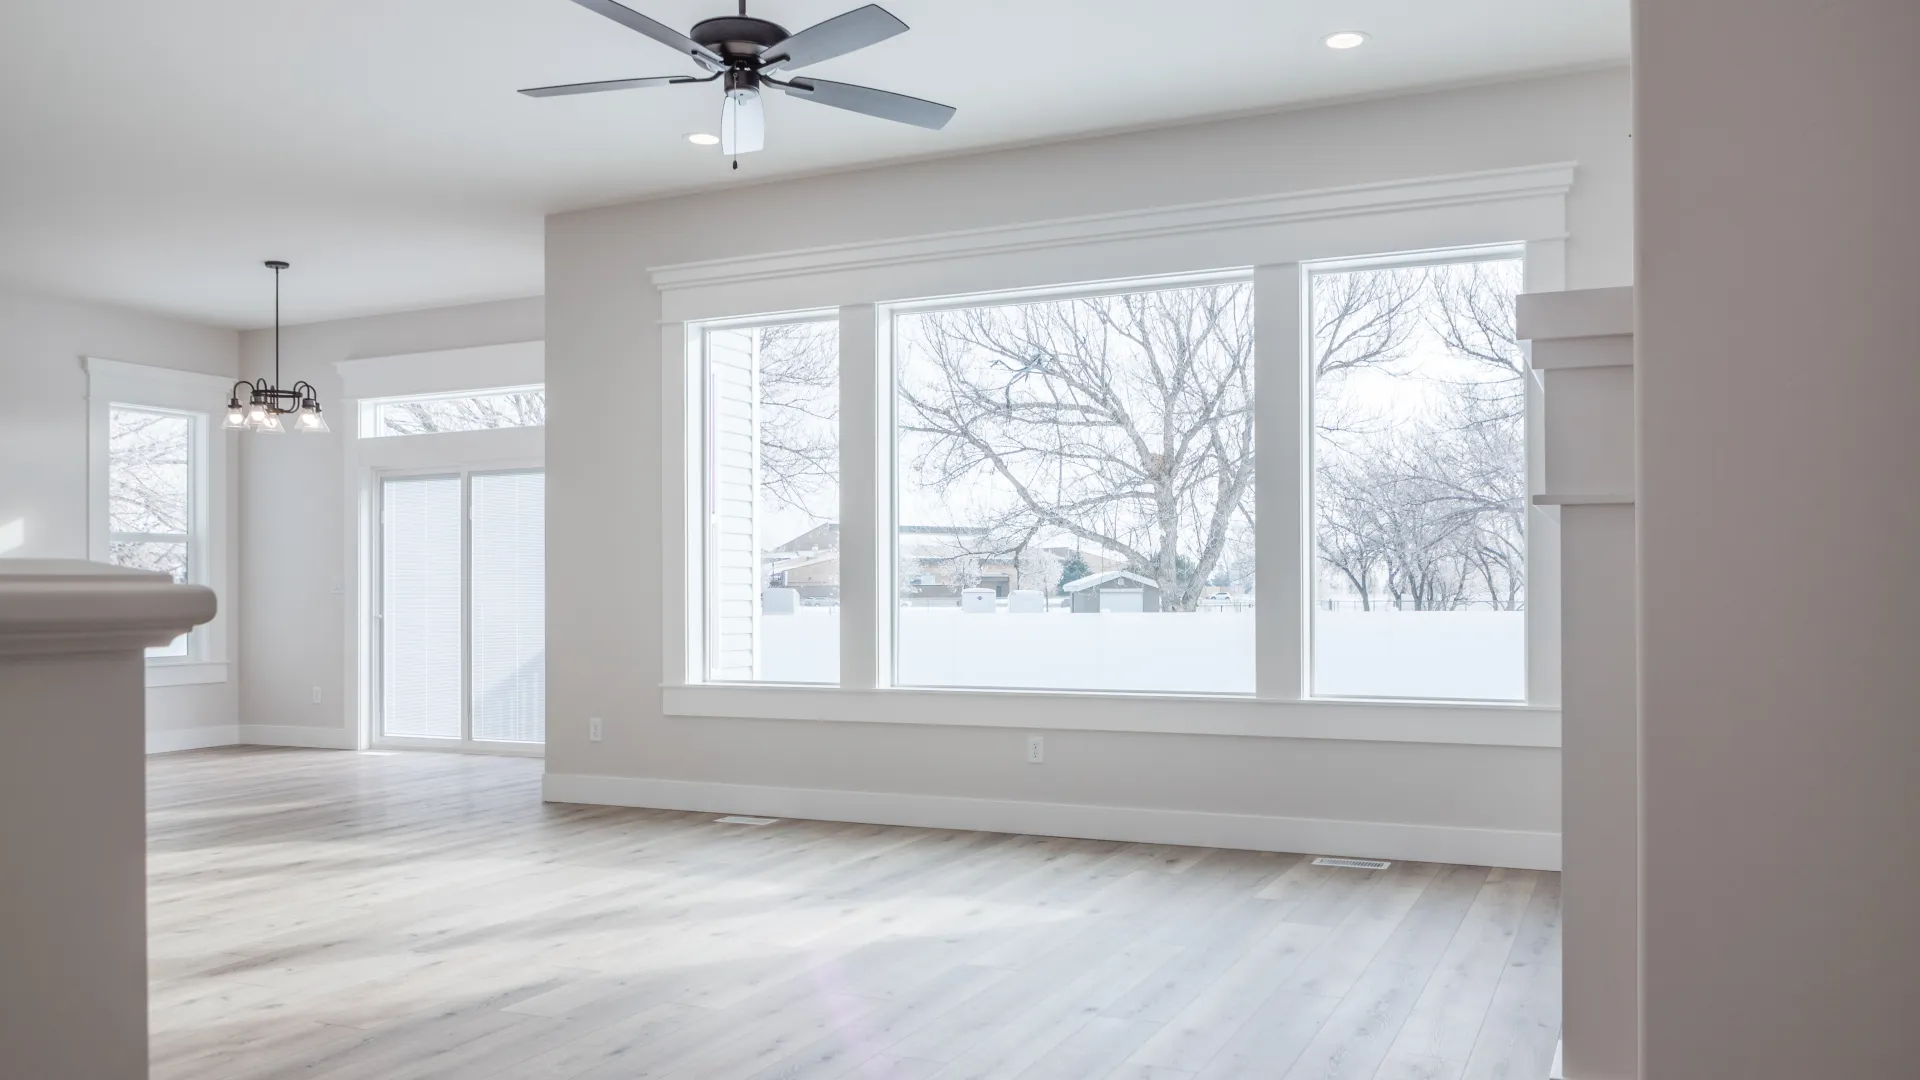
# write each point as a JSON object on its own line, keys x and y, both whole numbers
{"x": 317, "y": 738}
{"x": 193, "y": 738}
{"x": 1370, "y": 839}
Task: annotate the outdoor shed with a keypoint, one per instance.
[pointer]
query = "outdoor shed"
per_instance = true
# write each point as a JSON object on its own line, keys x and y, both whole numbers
{"x": 1114, "y": 590}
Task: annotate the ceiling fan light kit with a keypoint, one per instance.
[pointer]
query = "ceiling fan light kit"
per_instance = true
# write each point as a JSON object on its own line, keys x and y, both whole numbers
{"x": 745, "y": 52}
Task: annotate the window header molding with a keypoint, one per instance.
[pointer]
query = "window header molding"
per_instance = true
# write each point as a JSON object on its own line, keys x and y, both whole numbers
{"x": 446, "y": 371}
{"x": 179, "y": 388}
{"x": 1470, "y": 209}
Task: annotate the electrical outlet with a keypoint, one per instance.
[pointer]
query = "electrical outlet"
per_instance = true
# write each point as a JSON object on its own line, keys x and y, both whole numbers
{"x": 1036, "y": 750}
{"x": 316, "y": 695}
{"x": 593, "y": 729}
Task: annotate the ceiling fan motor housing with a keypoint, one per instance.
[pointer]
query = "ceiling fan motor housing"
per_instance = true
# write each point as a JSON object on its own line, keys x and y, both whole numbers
{"x": 738, "y": 38}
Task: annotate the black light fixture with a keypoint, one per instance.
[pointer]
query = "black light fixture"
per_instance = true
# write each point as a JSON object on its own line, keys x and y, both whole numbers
{"x": 266, "y": 402}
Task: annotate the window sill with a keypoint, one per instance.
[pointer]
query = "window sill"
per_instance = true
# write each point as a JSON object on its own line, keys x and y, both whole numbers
{"x": 184, "y": 673}
{"x": 1161, "y": 714}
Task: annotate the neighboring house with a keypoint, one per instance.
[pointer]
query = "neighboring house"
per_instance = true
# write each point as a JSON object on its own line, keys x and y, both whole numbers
{"x": 819, "y": 538}
{"x": 938, "y": 561}
{"x": 1114, "y": 590}
{"x": 809, "y": 564}
{"x": 1096, "y": 562}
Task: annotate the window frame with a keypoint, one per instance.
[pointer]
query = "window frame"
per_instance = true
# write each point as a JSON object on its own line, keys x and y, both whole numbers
{"x": 1277, "y": 236}
{"x": 1310, "y": 504}
{"x": 193, "y": 395}
{"x": 887, "y": 316}
{"x": 369, "y": 410}
{"x": 700, "y": 458}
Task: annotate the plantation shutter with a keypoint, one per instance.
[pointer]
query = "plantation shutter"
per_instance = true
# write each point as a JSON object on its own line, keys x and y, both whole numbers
{"x": 733, "y": 385}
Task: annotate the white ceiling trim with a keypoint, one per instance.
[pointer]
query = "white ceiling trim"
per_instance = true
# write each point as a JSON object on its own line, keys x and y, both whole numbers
{"x": 1465, "y": 189}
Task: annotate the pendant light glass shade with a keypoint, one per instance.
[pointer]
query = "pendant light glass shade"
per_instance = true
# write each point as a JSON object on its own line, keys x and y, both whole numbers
{"x": 309, "y": 418}
{"x": 270, "y": 425}
{"x": 236, "y": 415}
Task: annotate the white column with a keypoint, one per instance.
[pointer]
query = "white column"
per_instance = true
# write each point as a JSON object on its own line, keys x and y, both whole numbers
{"x": 1582, "y": 351}
{"x": 73, "y": 830}
{"x": 865, "y": 517}
{"x": 1280, "y": 427}
{"x": 1778, "y": 378}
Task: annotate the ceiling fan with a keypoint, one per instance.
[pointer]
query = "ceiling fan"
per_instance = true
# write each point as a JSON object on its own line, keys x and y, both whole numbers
{"x": 745, "y": 51}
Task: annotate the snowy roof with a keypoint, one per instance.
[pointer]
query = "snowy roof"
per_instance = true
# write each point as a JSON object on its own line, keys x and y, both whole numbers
{"x": 1094, "y": 580}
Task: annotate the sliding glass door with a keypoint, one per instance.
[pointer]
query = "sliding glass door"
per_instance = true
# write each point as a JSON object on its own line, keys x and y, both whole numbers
{"x": 461, "y": 611}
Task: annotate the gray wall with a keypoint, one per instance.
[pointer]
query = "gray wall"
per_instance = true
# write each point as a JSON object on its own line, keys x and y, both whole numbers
{"x": 1779, "y": 501}
{"x": 43, "y": 443}
{"x": 292, "y": 512}
{"x": 605, "y": 461}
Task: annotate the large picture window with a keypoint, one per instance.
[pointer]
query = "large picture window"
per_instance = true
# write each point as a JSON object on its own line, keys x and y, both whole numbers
{"x": 1062, "y": 488}
{"x": 772, "y": 502}
{"x": 1419, "y": 482}
{"x": 1074, "y": 500}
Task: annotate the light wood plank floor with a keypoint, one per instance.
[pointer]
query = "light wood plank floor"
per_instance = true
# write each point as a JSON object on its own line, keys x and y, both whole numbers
{"x": 331, "y": 915}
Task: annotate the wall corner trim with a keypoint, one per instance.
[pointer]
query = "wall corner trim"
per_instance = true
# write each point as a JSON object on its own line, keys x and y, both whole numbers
{"x": 1151, "y": 825}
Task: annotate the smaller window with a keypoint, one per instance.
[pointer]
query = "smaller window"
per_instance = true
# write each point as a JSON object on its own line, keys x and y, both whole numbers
{"x": 150, "y": 498}
{"x": 512, "y": 407}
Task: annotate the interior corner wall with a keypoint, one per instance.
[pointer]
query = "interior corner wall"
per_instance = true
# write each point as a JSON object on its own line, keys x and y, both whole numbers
{"x": 605, "y": 467}
{"x": 43, "y": 453}
{"x": 1779, "y": 507}
{"x": 292, "y": 515}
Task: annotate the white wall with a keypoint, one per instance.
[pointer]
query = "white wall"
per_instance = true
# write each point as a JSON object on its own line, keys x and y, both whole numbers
{"x": 605, "y": 466}
{"x": 292, "y": 525}
{"x": 1779, "y": 507}
{"x": 43, "y": 448}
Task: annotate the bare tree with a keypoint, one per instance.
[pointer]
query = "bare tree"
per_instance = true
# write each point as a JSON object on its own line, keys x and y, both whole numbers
{"x": 1364, "y": 318}
{"x": 800, "y": 417}
{"x": 149, "y": 485}
{"x": 480, "y": 412}
{"x": 1427, "y": 512}
{"x": 1125, "y": 421}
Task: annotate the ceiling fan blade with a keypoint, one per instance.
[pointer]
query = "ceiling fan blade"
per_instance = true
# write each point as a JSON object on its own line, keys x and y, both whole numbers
{"x": 839, "y": 35}
{"x": 607, "y": 84}
{"x": 658, "y": 31}
{"x": 881, "y": 103}
{"x": 743, "y": 124}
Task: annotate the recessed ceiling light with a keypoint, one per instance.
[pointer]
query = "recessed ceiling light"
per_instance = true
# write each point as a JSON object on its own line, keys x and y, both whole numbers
{"x": 701, "y": 138}
{"x": 1346, "y": 39}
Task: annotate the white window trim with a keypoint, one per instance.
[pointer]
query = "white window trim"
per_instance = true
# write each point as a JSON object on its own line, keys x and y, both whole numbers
{"x": 116, "y": 382}
{"x": 479, "y": 369}
{"x": 1270, "y": 237}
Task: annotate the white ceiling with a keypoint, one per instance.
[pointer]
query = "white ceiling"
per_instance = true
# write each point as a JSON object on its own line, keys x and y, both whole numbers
{"x": 152, "y": 152}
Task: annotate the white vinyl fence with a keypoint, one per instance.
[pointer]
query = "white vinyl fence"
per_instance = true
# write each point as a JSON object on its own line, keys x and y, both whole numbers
{"x": 1468, "y": 655}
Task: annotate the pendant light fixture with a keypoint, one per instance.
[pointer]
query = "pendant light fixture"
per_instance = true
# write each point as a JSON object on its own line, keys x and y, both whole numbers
{"x": 266, "y": 403}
